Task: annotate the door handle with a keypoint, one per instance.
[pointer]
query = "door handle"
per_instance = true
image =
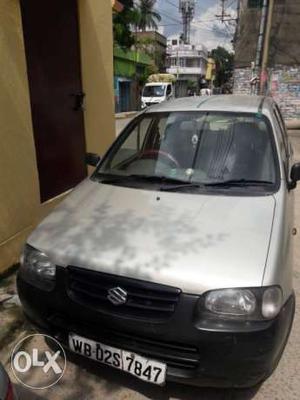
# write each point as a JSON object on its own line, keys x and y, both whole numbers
{"x": 78, "y": 101}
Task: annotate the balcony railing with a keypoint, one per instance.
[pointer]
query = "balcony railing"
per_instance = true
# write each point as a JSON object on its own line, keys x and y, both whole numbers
{"x": 186, "y": 70}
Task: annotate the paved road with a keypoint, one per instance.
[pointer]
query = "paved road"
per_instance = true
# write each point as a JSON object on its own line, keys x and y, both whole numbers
{"x": 90, "y": 383}
{"x": 121, "y": 123}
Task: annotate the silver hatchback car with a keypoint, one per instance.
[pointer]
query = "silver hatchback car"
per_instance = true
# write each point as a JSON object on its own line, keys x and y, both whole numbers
{"x": 173, "y": 261}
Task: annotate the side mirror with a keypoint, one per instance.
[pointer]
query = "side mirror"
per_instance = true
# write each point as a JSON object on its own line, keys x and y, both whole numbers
{"x": 92, "y": 159}
{"x": 295, "y": 175}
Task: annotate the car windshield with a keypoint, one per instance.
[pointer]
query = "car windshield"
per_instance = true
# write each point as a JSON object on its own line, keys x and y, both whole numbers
{"x": 154, "y": 91}
{"x": 195, "y": 147}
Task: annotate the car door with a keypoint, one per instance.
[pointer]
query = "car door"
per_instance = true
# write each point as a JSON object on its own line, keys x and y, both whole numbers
{"x": 286, "y": 154}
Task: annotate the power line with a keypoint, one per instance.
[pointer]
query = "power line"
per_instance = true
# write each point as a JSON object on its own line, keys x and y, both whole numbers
{"x": 223, "y": 14}
{"x": 162, "y": 13}
{"x": 195, "y": 24}
{"x": 167, "y": 16}
{"x": 229, "y": 5}
{"x": 172, "y": 4}
{"x": 200, "y": 21}
{"x": 198, "y": 5}
{"x": 175, "y": 24}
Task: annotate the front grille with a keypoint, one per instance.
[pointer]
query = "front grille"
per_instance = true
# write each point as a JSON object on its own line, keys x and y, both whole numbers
{"x": 145, "y": 300}
{"x": 175, "y": 355}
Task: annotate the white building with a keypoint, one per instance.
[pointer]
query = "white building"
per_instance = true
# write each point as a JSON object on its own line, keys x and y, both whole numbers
{"x": 187, "y": 62}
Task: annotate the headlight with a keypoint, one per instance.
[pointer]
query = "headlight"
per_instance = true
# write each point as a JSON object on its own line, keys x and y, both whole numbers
{"x": 37, "y": 268}
{"x": 231, "y": 302}
{"x": 242, "y": 304}
{"x": 271, "y": 302}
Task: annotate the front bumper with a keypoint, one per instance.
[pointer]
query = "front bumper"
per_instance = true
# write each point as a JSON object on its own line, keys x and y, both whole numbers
{"x": 223, "y": 356}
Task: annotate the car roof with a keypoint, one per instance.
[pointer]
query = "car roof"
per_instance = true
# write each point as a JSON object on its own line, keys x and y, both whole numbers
{"x": 229, "y": 103}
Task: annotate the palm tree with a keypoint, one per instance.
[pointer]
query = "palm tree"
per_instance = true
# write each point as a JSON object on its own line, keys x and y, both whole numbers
{"x": 148, "y": 17}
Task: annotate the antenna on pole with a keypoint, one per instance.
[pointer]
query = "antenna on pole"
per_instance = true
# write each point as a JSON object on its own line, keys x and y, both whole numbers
{"x": 187, "y": 10}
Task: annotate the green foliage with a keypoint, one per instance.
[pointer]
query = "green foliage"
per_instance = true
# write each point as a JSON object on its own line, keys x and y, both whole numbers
{"x": 121, "y": 25}
{"x": 147, "y": 16}
{"x": 147, "y": 46}
{"x": 139, "y": 15}
{"x": 224, "y": 65}
{"x": 191, "y": 84}
{"x": 149, "y": 70}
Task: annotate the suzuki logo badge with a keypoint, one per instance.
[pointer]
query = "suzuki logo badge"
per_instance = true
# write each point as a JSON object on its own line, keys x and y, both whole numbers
{"x": 117, "y": 296}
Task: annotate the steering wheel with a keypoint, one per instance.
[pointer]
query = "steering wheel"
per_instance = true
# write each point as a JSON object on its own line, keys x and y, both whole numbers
{"x": 152, "y": 153}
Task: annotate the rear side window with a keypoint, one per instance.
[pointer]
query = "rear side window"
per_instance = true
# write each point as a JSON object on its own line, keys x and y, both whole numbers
{"x": 282, "y": 128}
{"x": 284, "y": 142}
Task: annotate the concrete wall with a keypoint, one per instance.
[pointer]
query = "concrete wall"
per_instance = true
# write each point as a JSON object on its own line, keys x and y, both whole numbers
{"x": 284, "y": 54}
{"x": 246, "y": 35}
{"x": 20, "y": 207}
{"x": 241, "y": 79}
{"x": 19, "y": 190}
{"x": 285, "y": 34}
{"x": 283, "y": 86}
{"x": 97, "y": 72}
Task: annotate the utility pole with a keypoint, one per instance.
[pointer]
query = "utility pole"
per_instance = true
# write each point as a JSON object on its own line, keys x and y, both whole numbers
{"x": 260, "y": 42}
{"x": 238, "y": 11}
{"x": 187, "y": 9}
{"x": 223, "y": 14}
{"x": 265, "y": 54}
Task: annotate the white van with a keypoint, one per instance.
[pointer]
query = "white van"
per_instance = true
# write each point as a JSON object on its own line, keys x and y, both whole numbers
{"x": 157, "y": 92}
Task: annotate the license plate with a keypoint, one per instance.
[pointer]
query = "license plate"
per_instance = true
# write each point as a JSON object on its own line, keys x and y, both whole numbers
{"x": 134, "y": 364}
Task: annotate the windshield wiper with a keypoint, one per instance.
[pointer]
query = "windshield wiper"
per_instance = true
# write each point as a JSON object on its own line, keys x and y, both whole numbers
{"x": 234, "y": 182}
{"x": 178, "y": 183}
{"x": 183, "y": 185}
{"x": 159, "y": 179}
{"x": 239, "y": 182}
{"x": 114, "y": 178}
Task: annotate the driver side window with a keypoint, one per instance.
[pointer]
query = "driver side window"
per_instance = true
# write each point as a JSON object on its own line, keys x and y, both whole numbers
{"x": 134, "y": 142}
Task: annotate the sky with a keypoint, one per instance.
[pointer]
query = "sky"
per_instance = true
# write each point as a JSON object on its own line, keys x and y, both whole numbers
{"x": 206, "y": 28}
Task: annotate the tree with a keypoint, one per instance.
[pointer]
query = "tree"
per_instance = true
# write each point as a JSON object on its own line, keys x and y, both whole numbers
{"x": 224, "y": 65}
{"x": 147, "y": 17}
{"x": 122, "y": 22}
{"x": 149, "y": 70}
{"x": 147, "y": 45}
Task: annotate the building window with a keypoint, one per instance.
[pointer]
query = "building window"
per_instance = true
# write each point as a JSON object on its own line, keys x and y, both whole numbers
{"x": 174, "y": 42}
{"x": 193, "y": 62}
